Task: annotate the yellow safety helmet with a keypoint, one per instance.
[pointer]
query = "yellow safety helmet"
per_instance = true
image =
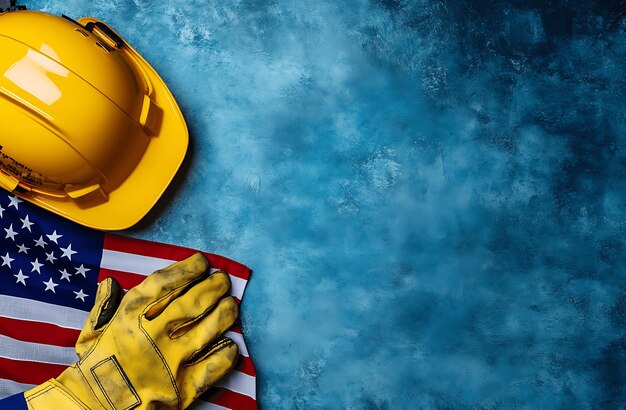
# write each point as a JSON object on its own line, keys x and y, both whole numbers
{"x": 88, "y": 129}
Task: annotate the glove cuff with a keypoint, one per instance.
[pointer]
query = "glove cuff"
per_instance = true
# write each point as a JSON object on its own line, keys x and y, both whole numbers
{"x": 101, "y": 386}
{"x": 52, "y": 395}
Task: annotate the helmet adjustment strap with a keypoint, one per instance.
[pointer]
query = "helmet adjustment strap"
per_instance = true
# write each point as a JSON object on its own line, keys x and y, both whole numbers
{"x": 100, "y": 30}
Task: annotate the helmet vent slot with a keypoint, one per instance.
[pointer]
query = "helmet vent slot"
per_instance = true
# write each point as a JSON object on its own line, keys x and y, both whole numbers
{"x": 102, "y": 47}
{"x": 81, "y": 32}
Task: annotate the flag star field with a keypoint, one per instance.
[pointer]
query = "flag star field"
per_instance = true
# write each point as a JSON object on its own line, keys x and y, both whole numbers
{"x": 52, "y": 262}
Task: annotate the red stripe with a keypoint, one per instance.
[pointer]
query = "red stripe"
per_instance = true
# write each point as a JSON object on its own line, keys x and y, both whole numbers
{"x": 172, "y": 252}
{"x": 44, "y": 333}
{"x": 245, "y": 366}
{"x": 37, "y": 373}
{"x": 36, "y": 332}
{"x": 127, "y": 280}
{"x": 28, "y": 372}
{"x": 230, "y": 399}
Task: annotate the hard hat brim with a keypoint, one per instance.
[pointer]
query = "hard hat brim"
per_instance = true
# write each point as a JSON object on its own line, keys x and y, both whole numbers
{"x": 129, "y": 202}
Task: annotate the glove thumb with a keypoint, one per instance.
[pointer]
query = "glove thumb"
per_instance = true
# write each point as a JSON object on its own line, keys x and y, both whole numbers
{"x": 108, "y": 298}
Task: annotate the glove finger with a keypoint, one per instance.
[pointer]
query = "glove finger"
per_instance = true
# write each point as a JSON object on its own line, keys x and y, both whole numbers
{"x": 167, "y": 284}
{"x": 108, "y": 298}
{"x": 190, "y": 307}
{"x": 203, "y": 332}
{"x": 207, "y": 369}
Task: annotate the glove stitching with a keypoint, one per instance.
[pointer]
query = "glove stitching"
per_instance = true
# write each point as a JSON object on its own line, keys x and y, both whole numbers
{"x": 98, "y": 334}
{"x": 90, "y": 376}
{"x": 62, "y": 391}
{"x": 69, "y": 396}
{"x": 92, "y": 321}
{"x": 98, "y": 339}
{"x": 93, "y": 392}
{"x": 124, "y": 376}
{"x": 178, "y": 290}
{"x": 39, "y": 393}
{"x": 158, "y": 352}
{"x": 93, "y": 347}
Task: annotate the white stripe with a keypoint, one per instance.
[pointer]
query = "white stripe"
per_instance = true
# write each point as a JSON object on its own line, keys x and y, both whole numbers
{"x": 205, "y": 405}
{"x": 239, "y": 382}
{"x": 130, "y": 262}
{"x": 238, "y": 338}
{"x": 145, "y": 265}
{"x": 237, "y": 286}
{"x": 9, "y": 388}
{"x": 35, "y": 352}
{"x": 27, "y": 309}
{"x": 31, "y": 310}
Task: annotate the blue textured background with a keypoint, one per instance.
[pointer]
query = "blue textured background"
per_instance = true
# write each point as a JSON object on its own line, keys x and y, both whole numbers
{"x": 431, "y": 193}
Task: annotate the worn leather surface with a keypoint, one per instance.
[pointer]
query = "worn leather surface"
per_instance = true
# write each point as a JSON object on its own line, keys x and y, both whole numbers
{"x": 161, "y": 349}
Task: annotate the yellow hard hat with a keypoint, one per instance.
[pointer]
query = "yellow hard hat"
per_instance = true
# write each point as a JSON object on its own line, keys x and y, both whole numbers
{"x": 88, "y": 129}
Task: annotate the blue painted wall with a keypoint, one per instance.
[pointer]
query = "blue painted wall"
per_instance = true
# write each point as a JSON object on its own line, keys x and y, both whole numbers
{"x": 431, "y": 193}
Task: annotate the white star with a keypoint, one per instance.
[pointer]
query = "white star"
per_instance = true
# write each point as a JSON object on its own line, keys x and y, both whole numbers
{"x": 81, "y": 270}
{"x": 65, "y": 275}
{"x": 21, "y": 278}
{"x": 40, "y": 242}
{"x": 23, "y": 248}
{"x": 50, "y": 257}
{"x": 50, "y": 285}
{"x": 80, "y": 295}
{"x": 68, "y": 252}
{"x": 15, "y": 201}
{"x": 6, "y": 260}
{"x": 36, "y": 266}
{"x": 54, "y": 236}
{"x": 26, "y": 223}
{"x": 10, "y": 232}
{"x": 2, "y": 211}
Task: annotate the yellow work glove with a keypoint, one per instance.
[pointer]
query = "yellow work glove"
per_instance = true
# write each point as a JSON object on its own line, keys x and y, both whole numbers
{"x": 160, "y": 349}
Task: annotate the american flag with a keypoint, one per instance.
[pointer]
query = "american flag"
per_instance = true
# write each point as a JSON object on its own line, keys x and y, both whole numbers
{"x": 49, "y": 272}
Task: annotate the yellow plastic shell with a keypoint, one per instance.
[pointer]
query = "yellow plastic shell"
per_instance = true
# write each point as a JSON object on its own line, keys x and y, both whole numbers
{"x": 88, "y": 128}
